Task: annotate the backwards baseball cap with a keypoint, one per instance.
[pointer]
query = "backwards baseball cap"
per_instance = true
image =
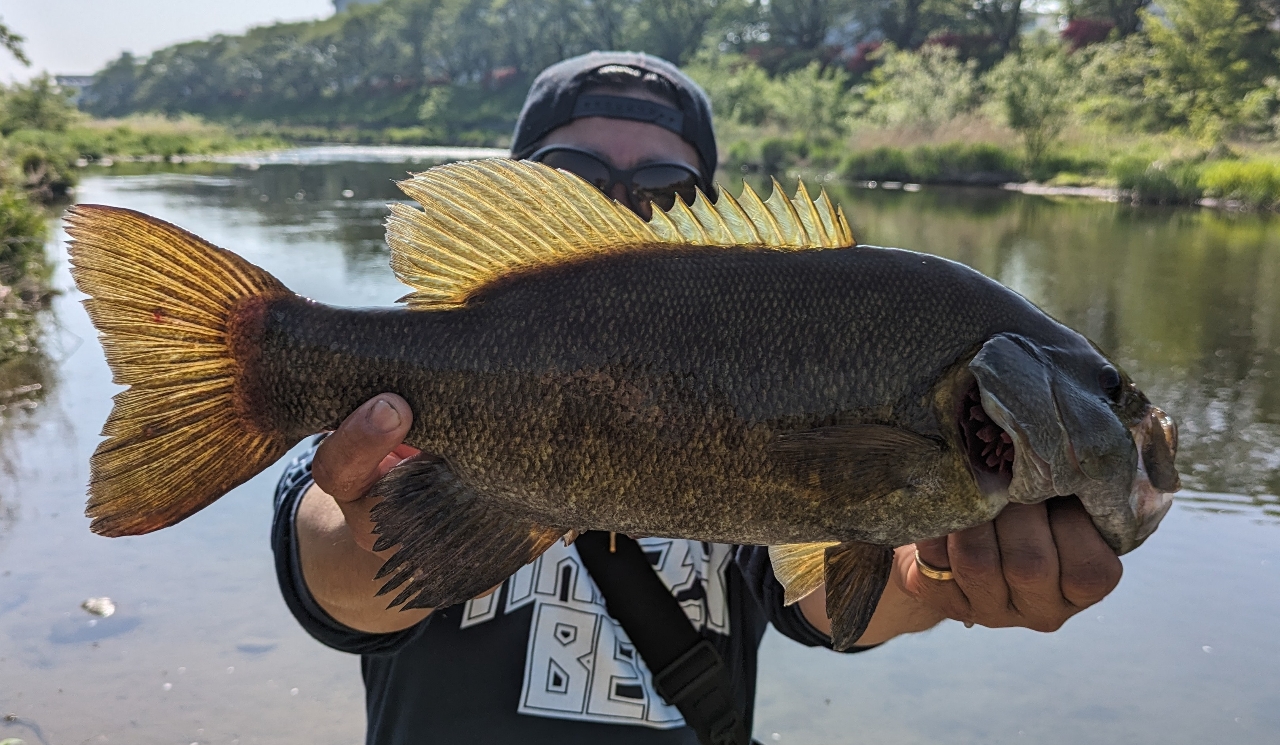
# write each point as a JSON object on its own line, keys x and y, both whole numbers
{"x": 556, "y": 98}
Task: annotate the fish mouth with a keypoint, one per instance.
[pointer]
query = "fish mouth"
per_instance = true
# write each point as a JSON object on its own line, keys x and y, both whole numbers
{"x": 988, "y": 447}
{"x": 1156, "y": 438}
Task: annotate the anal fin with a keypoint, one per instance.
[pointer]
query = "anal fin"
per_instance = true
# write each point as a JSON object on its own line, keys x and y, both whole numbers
{"x": 856, "y": 575}
{"x": 454, "y": 544}
{"x": 799, "y": 567}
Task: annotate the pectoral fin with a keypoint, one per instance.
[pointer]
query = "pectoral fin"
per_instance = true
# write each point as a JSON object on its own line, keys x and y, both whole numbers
{"x": 454, "y": 544}
{"x": 799, "y": 567}
{"x": 856, "y": 462}
{"x": 856, "y": 576}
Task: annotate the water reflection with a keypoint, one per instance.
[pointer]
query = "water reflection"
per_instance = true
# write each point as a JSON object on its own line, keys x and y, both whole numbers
{"x": 344, "y": 203}
{"x": 25, "y": 375}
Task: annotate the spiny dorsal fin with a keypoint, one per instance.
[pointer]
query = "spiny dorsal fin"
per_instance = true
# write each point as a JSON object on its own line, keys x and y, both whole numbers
{"x": 485, "y": 219}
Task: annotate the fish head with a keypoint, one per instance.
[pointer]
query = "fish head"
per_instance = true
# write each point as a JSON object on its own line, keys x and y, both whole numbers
{"x": 1041, "y": 421}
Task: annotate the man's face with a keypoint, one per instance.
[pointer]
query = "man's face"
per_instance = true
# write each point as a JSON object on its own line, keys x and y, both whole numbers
{"x": 624, "y": 144}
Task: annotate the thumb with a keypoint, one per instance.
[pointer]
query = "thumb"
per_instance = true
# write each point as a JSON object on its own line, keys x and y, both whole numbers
{"x": 347, "y": 462}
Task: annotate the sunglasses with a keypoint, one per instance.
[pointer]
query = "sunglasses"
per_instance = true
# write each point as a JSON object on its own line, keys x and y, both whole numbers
{"x": 656, "y": 183}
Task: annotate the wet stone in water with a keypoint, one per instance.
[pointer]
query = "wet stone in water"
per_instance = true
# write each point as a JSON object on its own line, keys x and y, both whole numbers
{"x": 101, "y": 607}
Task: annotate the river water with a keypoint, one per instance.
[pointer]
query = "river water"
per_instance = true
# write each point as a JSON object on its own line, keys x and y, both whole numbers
{"x": 202, "y": 649}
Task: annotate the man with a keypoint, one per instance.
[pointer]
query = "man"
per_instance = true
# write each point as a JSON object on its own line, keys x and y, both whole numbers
{"x": 539, "y": 659}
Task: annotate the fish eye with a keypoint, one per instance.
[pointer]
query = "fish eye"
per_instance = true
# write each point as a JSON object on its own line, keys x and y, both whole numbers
{"x": 1109, "y": 379}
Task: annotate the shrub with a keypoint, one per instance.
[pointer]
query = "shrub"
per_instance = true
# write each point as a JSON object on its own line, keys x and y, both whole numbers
{"x": 1034, "y": 91}
{"x": 40, "y": 105}
{"x": 1254, "y": 183}
{"x": 920, "y": 89}
{"x": 778, "y": 152}
{"x": 1201, "y": 54}
{"x": 880, "y": 164}
{"x": 736, "y": 86}
{"x": 954, "y": 163}
{"x": 810, "y": 100}
{"x": 1081, "y": 32}
{"x": 1159, "y": 182}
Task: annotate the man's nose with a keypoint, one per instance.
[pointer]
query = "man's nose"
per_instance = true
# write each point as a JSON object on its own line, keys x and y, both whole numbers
{"x": 619, "y": 192}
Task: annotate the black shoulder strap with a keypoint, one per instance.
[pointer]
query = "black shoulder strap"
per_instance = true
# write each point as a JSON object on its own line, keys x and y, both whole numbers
{"x": 687, "y": 670}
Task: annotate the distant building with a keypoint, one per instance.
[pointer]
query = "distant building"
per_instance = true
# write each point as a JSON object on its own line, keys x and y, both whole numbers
{"x": 342, "y": 5}
{"x": 75, "y": 83}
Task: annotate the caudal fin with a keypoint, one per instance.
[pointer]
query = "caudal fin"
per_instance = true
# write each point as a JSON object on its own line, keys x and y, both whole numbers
{"x": 168, "y": 307}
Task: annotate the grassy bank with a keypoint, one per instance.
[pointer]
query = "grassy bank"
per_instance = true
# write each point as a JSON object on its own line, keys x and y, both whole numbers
{"x": 1149, "y": 170}
{"x": 24, "y": 287}
{"x": 144, "y": 135}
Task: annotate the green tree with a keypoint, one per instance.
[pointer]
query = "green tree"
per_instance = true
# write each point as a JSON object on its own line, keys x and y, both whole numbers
{"x": 1202, "y": 64}
{"x": 798, "y": 29}
{"x": 1034, "y": 91}
{"x": 1002, "y": 19}
{"x": 675, "y": 29}
{"x": 736, "y": 86}
{"x": 40, "y": 104}
{"x": 920, "y": 89}
{"x": 114, "y": 88}
{"x": 13, "y": 42}
{"x": 1124, "y": 15}
{"x": 811, "y": 100}
{"x": 907, "y": 23}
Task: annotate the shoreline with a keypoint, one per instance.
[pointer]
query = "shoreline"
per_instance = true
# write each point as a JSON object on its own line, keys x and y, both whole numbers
{"x": 320, "y": 153}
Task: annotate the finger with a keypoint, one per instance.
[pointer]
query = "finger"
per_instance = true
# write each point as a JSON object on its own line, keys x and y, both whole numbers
{"x": 358, "y": 512}
{"x": 348, "y": 461}
{"x": 1090, "y": 570}
{"x": 943, "y": 596}
{"x": 398, "y": 455}
{"x": 975, "y": 561}
{"x": 1029, "y": 560}
{"x": 933, "y": 551}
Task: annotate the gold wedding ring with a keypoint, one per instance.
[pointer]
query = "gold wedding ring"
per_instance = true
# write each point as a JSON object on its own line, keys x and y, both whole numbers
{"x": 932, "y": 572}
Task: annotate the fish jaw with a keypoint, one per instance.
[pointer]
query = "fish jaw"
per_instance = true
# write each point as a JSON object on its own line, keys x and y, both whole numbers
{"x": 1015, "y": 388}
{"x": 1150, "y": 501}
{"x": 1069, "y": 442}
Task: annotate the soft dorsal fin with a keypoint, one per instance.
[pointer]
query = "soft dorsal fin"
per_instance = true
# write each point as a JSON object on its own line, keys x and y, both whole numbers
{"x": 485, "y": 219}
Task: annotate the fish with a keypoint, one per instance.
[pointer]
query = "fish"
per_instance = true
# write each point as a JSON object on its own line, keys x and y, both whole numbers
{"x": 739, "y": 371}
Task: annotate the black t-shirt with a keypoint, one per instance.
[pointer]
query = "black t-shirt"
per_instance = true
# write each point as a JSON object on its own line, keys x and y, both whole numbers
{"x": 541, "y": 661}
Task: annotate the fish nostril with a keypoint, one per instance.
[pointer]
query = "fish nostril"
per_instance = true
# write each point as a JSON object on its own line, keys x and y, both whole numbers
{"x": 1109, "y": 380}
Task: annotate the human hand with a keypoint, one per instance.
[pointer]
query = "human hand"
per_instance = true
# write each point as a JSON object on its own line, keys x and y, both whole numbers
{"x": 1034, "y": 566}
{"x": 367, "y": 444}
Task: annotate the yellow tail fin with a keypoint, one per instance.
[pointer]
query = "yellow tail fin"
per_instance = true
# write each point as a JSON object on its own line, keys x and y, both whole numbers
{"x": 166, "y": 305}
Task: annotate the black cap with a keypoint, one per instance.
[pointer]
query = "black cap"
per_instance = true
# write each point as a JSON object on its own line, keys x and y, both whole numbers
{"x": 554, "y": 101}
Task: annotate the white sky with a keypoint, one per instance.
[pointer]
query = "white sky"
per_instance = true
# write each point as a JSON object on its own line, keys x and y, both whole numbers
{"x": 77, "y": 37}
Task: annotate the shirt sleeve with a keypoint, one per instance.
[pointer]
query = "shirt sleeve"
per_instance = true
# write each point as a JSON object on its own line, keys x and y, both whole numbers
{"x": 284, "y": 543}
{"x": 753, "y": 562}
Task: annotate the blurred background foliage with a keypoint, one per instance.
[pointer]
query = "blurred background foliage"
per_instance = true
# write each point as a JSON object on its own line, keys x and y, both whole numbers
{"x": 1076, "y": 90}
{"x": 1175, "y": 101}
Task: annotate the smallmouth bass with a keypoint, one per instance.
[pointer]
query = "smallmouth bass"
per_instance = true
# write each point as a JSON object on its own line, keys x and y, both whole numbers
{"x": 736, "y": 373}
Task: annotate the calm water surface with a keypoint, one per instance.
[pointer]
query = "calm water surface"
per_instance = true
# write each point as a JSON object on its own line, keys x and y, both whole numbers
{"x": 202, "y": 649}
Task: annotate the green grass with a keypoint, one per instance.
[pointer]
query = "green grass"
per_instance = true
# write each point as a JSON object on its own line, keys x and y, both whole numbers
{"x": 1253, "y": 183}
{"x": 145, "y": 135}
{"x": 954, "y": 163}
{"x": 1151, "y": 170}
